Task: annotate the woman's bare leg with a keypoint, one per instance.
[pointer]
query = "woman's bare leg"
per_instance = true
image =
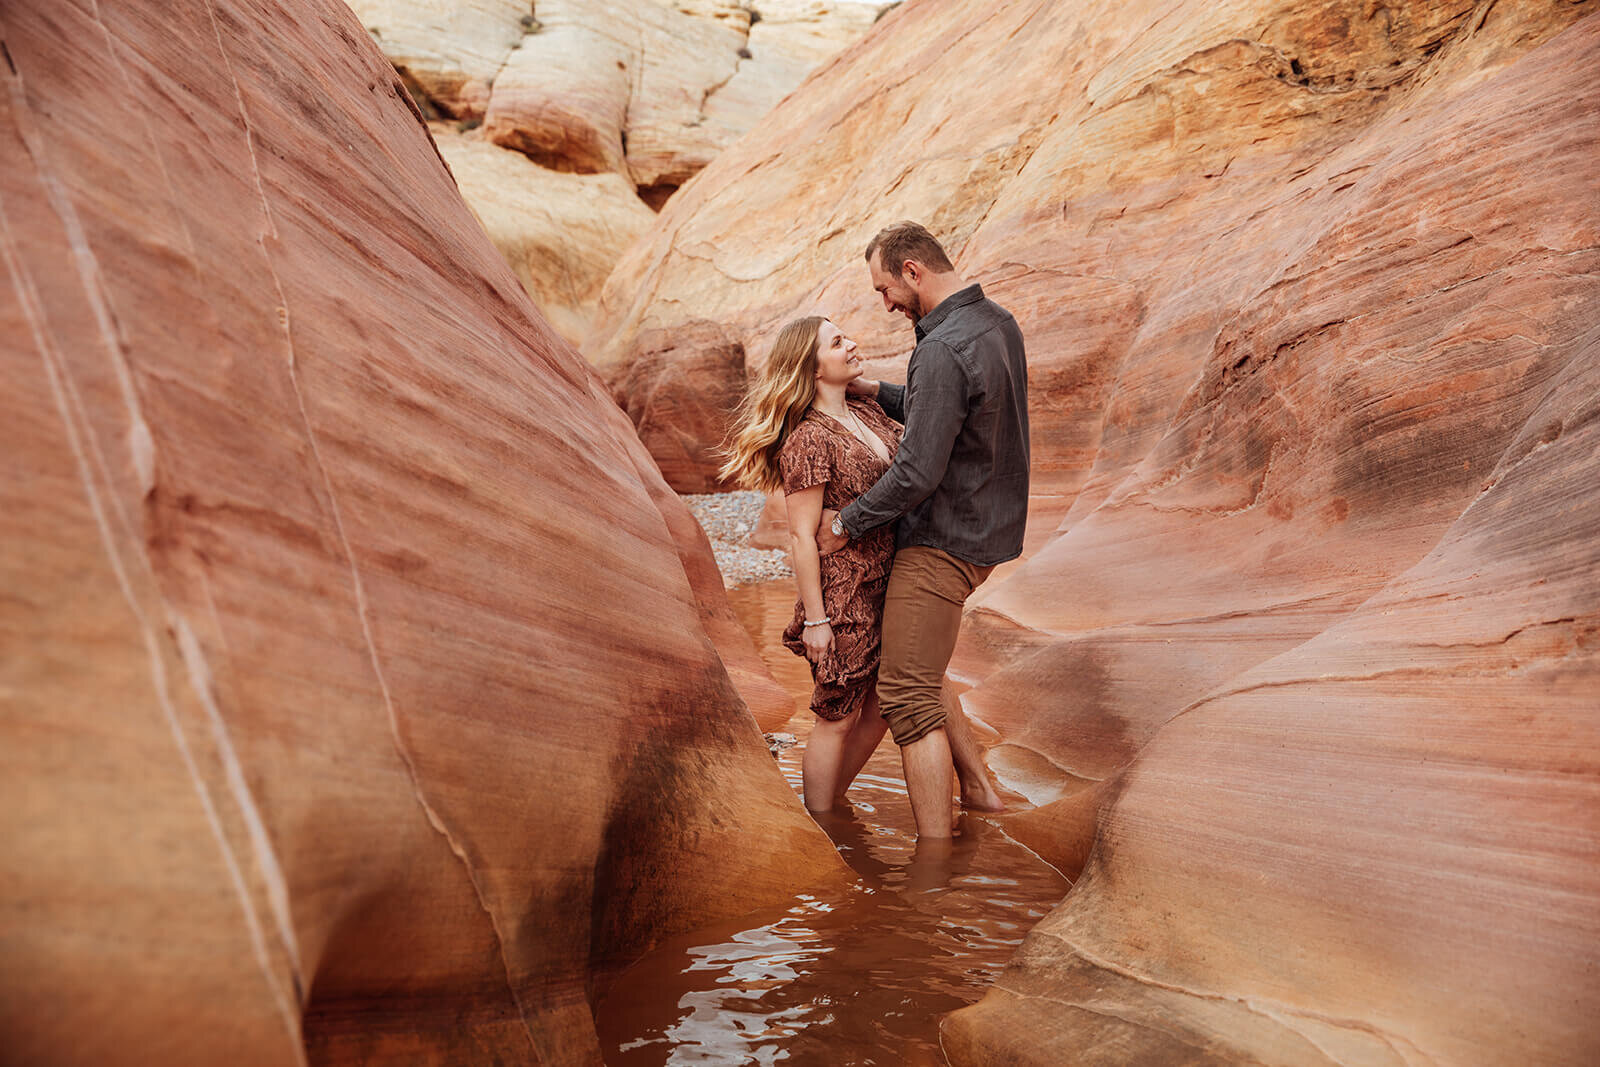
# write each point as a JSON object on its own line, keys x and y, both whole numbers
{"x": 972, "y": 769}
{"x": 822, "y": 762}
{"x": 867, "y": 730}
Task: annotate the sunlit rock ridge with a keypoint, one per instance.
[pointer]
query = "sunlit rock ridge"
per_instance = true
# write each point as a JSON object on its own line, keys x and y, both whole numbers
{"x": 1303, "y": 669}
{"x": 361, "y": 702}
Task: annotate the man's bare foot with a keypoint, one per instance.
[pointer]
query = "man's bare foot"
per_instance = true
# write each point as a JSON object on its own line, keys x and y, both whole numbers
{"x": 981, "y": 796}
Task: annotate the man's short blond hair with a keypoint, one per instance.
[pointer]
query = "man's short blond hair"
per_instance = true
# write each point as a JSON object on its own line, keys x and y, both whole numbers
{"x": 908, "y": 240}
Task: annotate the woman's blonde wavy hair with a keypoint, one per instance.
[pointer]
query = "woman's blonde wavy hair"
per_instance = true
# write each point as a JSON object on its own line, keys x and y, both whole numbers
{"x": 773, "y": 407}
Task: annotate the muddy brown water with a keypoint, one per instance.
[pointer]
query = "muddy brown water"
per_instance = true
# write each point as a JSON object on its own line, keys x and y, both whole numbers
{"x": 863, "y": 976}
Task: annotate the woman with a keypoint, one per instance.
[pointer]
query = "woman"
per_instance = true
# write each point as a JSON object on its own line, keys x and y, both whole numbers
{"x": 800, "y": 431}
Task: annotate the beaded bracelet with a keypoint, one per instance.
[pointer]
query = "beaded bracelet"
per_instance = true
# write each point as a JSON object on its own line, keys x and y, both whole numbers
{"x": 820, "y": 622}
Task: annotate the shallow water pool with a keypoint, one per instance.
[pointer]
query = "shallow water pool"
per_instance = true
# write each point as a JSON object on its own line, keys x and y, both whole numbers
{"x": 861, "y": 977}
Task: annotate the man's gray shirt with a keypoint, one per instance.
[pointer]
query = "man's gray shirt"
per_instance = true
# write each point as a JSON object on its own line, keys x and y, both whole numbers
{"x": 960, "y": 480}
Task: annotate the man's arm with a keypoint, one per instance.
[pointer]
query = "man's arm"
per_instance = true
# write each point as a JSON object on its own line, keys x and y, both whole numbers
{"x": 892, "y": 399}
{"x": 937, "y": 397}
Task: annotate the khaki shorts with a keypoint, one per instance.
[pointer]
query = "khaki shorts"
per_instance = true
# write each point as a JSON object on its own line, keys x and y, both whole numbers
{"x": 921, "y": 620}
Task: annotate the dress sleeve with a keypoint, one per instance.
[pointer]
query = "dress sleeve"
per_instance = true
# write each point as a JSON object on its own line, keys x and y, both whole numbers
{"x": 804, "y": 460}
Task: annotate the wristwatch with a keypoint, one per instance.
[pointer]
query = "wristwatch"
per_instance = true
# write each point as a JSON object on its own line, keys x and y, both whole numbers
{"x": 838, "y": 528}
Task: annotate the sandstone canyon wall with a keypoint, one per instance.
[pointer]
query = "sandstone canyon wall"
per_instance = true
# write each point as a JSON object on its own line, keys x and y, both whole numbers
{"x": 601, "y": 109}
{"x": 1303, "y": 668}
{"x": 357, "y": 703}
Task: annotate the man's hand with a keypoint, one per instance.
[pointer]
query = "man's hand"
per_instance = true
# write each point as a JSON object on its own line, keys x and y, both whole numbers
{"x": 862, "y": 387}
{"x": 827, "y": 540}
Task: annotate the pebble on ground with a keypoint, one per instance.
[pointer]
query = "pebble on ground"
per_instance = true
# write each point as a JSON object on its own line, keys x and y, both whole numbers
{"x": 728, "y": 520}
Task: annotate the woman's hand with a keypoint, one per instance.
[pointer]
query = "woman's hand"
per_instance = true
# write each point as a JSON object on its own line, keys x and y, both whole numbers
{"x": 817, "y": 639}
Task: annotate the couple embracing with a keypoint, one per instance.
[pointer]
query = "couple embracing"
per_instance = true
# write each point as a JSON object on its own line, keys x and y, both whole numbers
{"x": 901, "y": 500}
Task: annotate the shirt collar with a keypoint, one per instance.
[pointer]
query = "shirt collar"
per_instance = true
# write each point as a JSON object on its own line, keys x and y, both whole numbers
{"x": 960, "y": 298}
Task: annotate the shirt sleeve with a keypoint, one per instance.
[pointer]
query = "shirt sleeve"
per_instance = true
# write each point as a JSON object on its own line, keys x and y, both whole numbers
{"x": 804, "y": 461}
{"x": 892, "y": 399}
{"x": 936, "y": 395}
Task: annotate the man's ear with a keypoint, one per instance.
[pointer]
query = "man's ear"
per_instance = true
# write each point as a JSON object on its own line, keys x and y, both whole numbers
{"x": 911, "y": 270}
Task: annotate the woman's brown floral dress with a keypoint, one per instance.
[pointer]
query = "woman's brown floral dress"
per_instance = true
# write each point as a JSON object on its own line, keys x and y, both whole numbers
{"x": 821, "y": 451}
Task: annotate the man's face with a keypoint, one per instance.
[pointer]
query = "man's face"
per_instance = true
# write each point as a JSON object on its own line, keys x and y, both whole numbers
{"x": 897, "y": 295}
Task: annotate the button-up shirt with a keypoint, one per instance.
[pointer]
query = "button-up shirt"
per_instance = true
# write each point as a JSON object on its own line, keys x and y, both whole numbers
{"x": 960, "y": 480}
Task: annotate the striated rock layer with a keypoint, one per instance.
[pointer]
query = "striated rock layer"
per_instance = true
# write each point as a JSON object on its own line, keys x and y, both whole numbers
{"x": 358, "y": 703}
{"x": 1381, "y": 846}
{"x": 604, "y": 110}
{"x": 1302, "y": 667}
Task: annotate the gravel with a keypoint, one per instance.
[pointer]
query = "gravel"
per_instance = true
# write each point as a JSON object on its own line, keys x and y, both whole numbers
{"x": 728, "y": 520}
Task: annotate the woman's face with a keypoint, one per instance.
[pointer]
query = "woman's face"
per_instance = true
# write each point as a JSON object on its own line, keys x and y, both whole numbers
{"x": 838, "y": 362}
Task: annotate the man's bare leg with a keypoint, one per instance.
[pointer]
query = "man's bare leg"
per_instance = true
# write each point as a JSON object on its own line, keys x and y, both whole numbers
{"x": 931, "y": 865}
{"x": 972, "y": 769}
{"x": 929, "y": 782}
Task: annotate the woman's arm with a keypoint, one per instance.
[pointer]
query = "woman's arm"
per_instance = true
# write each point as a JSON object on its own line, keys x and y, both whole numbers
{"x": 891, "y": 398}
{"x": 805, "y": 511}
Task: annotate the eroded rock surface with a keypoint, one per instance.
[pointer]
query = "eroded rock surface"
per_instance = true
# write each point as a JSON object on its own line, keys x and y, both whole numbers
{"x": 359, "y": 704}
{"x": 618, "y": 86}
{"x": 448, "y": 51}
{"x": 1304, "y": 286}
{"x": 652, "y": 89}
{"x": 561, "y": 232}
{"x": 617, "y": 104}
{"x": 1376, "y": 847}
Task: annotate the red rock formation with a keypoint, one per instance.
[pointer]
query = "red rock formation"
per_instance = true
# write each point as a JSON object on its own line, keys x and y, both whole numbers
{"x": 1302, "y": 665}
{"x": 358, "y": 706}
{"x": 1378, "y": 846}
{"x": 679, "y": 392}
{"x": 769, "y": 702}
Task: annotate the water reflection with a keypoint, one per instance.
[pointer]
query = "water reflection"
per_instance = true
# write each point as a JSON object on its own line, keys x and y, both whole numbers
{"x": 861, "y": 977}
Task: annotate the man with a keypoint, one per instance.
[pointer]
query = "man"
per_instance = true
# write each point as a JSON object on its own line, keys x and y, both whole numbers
{"x": 958, "y": 486}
